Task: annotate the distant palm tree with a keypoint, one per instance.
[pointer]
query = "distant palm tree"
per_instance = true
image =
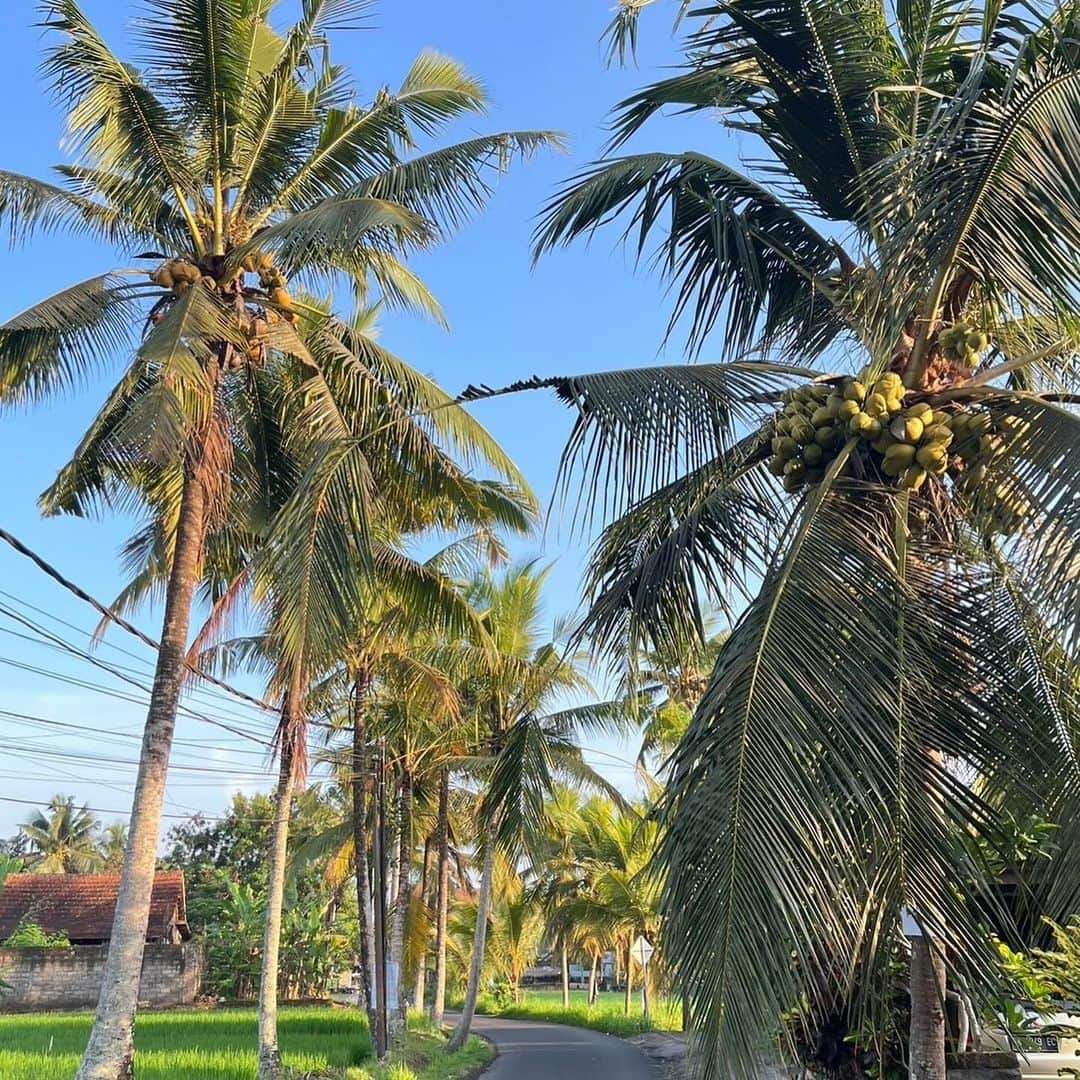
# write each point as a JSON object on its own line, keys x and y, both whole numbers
{"x": 238, "y": 161}
{"x": 516, "y": 696}
{"x": 328, "y": 606}
{"x": 599, "y": 885}
{"x": 64, "y": 840}
{"x": 672, "y": 676}
{"x": 113, "y": 844}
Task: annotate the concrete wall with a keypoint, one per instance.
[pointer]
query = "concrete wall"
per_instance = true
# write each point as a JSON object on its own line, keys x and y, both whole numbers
{"x": 43, "y": 979}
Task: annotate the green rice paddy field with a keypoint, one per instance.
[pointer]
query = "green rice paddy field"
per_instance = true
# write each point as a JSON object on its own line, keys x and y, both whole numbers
{"x": 195, "y": 1045}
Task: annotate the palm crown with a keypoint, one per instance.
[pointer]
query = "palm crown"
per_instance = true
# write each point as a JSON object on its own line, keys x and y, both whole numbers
{"x": 63, "y": 841}
{"x": 909, "y": 619}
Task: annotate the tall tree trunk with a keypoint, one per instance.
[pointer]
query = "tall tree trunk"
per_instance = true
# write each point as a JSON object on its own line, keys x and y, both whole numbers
{"x": 926, "y": 1053}
{"x": 361, "y": 867}
{"x": 442, "y": 898}
{"x": 109, "y": 1053}
{"x": 629, "y": 978}
{"x": 420, "y": 988}
{"x": 401, "y": 901}
{"x": 592, "y": 979}
{"x": 290, "y": 755}
{"x": 381, "y": 1040}
{"x": 565, "y": 964}
{"x": 483, "y": 905}
{"x": 927, "y": 1043}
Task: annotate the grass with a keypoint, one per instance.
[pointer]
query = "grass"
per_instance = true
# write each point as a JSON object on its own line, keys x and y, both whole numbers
{"x": 220, "y": 1045}
{"x": 606, "y": 1015}
{"x": 425, "y": 1058}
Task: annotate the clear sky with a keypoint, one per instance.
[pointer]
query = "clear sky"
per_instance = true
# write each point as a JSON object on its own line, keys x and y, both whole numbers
{"x": 583, "y": 309}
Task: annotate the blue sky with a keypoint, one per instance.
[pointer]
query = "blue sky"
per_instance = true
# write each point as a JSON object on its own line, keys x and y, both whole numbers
{"x": 582, "y": 309}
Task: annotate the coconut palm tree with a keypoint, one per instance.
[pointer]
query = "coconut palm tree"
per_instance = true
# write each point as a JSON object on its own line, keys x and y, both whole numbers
{"x": 63, "y": 840}
{"x": 512, "y": 693}
{"x": 113, "y": 843}
{"x": 899, "y": 565}
{"x": 598, "y": 884}
{"x": 315, "y": 587}
{"x": 236, "y": 160}
{"x": 672, "y": 678}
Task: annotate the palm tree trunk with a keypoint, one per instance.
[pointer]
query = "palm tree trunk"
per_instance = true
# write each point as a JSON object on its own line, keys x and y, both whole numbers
{"x": 109, "y": 1054}
{"x": 565, "y": 974}
{"x": 420, "y": 988}
{"x": 927, "y": 1032}
{"x": 442, "y": 899}
{"x": 926, "y": 1054}
{"x": 292, "y": 720}
{"x": 483, "y": 905}
{"x": 358, "y": 785}
{"x": 592, "y": 979}
{"x": 401, "y": 902}
{"x": 629, "y": 978}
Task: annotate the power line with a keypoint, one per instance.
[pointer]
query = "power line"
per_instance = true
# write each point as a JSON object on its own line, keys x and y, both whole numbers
{"x": 90, "y": 635}
{"x": 67, "y": 724}
{"x": 97, "y": 688}
{"x": 112, "y": 616}
{"x": 82, "y": 654}
{"x": 127, "y": 812}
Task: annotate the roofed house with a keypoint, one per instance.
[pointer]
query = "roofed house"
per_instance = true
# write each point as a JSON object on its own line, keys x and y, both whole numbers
{"x": 82, "y": 906}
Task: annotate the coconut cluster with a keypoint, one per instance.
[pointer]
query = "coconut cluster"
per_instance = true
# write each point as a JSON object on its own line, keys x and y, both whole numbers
{"x": 177, "y": 275}
{"x": 901, "y": 440}
{"x": 963, "y": 344}
{"x": 272, "y": 281}
{"x": 818, "y": 419}
{"x": 980, "y": 440}
{"x": 263, "y": 306}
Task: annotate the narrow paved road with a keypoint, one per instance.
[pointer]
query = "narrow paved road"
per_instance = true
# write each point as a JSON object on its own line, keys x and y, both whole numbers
{"x": 532, "y": 1051}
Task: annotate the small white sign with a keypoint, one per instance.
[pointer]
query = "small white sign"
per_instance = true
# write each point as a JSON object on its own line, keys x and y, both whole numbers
{"x": 642, "y": 951}
{"x": 909, "y": 924}
{"x": 391, "y": 986}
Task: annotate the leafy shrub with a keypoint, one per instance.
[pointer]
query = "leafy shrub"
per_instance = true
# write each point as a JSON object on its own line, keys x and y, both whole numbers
{"x": 29, "y": 935}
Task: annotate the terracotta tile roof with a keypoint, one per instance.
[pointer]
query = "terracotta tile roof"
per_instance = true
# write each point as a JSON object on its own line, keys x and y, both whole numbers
{"x": 82, "y": 905}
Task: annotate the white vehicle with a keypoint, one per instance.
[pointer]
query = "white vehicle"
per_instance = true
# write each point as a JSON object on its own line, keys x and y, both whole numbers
{"x": 1048, "y": 1047}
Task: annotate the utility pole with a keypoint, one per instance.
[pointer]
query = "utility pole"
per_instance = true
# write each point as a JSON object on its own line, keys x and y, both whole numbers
{"x": 380, "y": 1033}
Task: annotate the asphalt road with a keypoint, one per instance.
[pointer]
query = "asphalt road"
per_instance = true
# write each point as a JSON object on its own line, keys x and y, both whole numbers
{"x": 532, "y": 1051}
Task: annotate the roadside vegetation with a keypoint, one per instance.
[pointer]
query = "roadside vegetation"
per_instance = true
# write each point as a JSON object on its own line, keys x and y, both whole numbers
{"x": 606, "y": 1014}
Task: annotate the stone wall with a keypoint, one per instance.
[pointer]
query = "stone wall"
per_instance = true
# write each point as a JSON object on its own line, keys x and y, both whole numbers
{"x": 43, "y": 979}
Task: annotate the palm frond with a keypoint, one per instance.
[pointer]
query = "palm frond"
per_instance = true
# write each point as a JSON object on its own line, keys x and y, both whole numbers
{"x": 332, "y": 230}
{"x": 622, "y": 31}
{"x": 994, "y": 196}
{"x": 450, "y": 185}
{"x": 63, "y": 339}
{"x": 731, "y": 249}
{"x": 696, "y": 541}
{"x": 197, "y": 48}
{"x": 29, "y": 205}
{"x": 641, "y": 428}
{"x": 114, "y": 119}
{"x": 801, "y": 784}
